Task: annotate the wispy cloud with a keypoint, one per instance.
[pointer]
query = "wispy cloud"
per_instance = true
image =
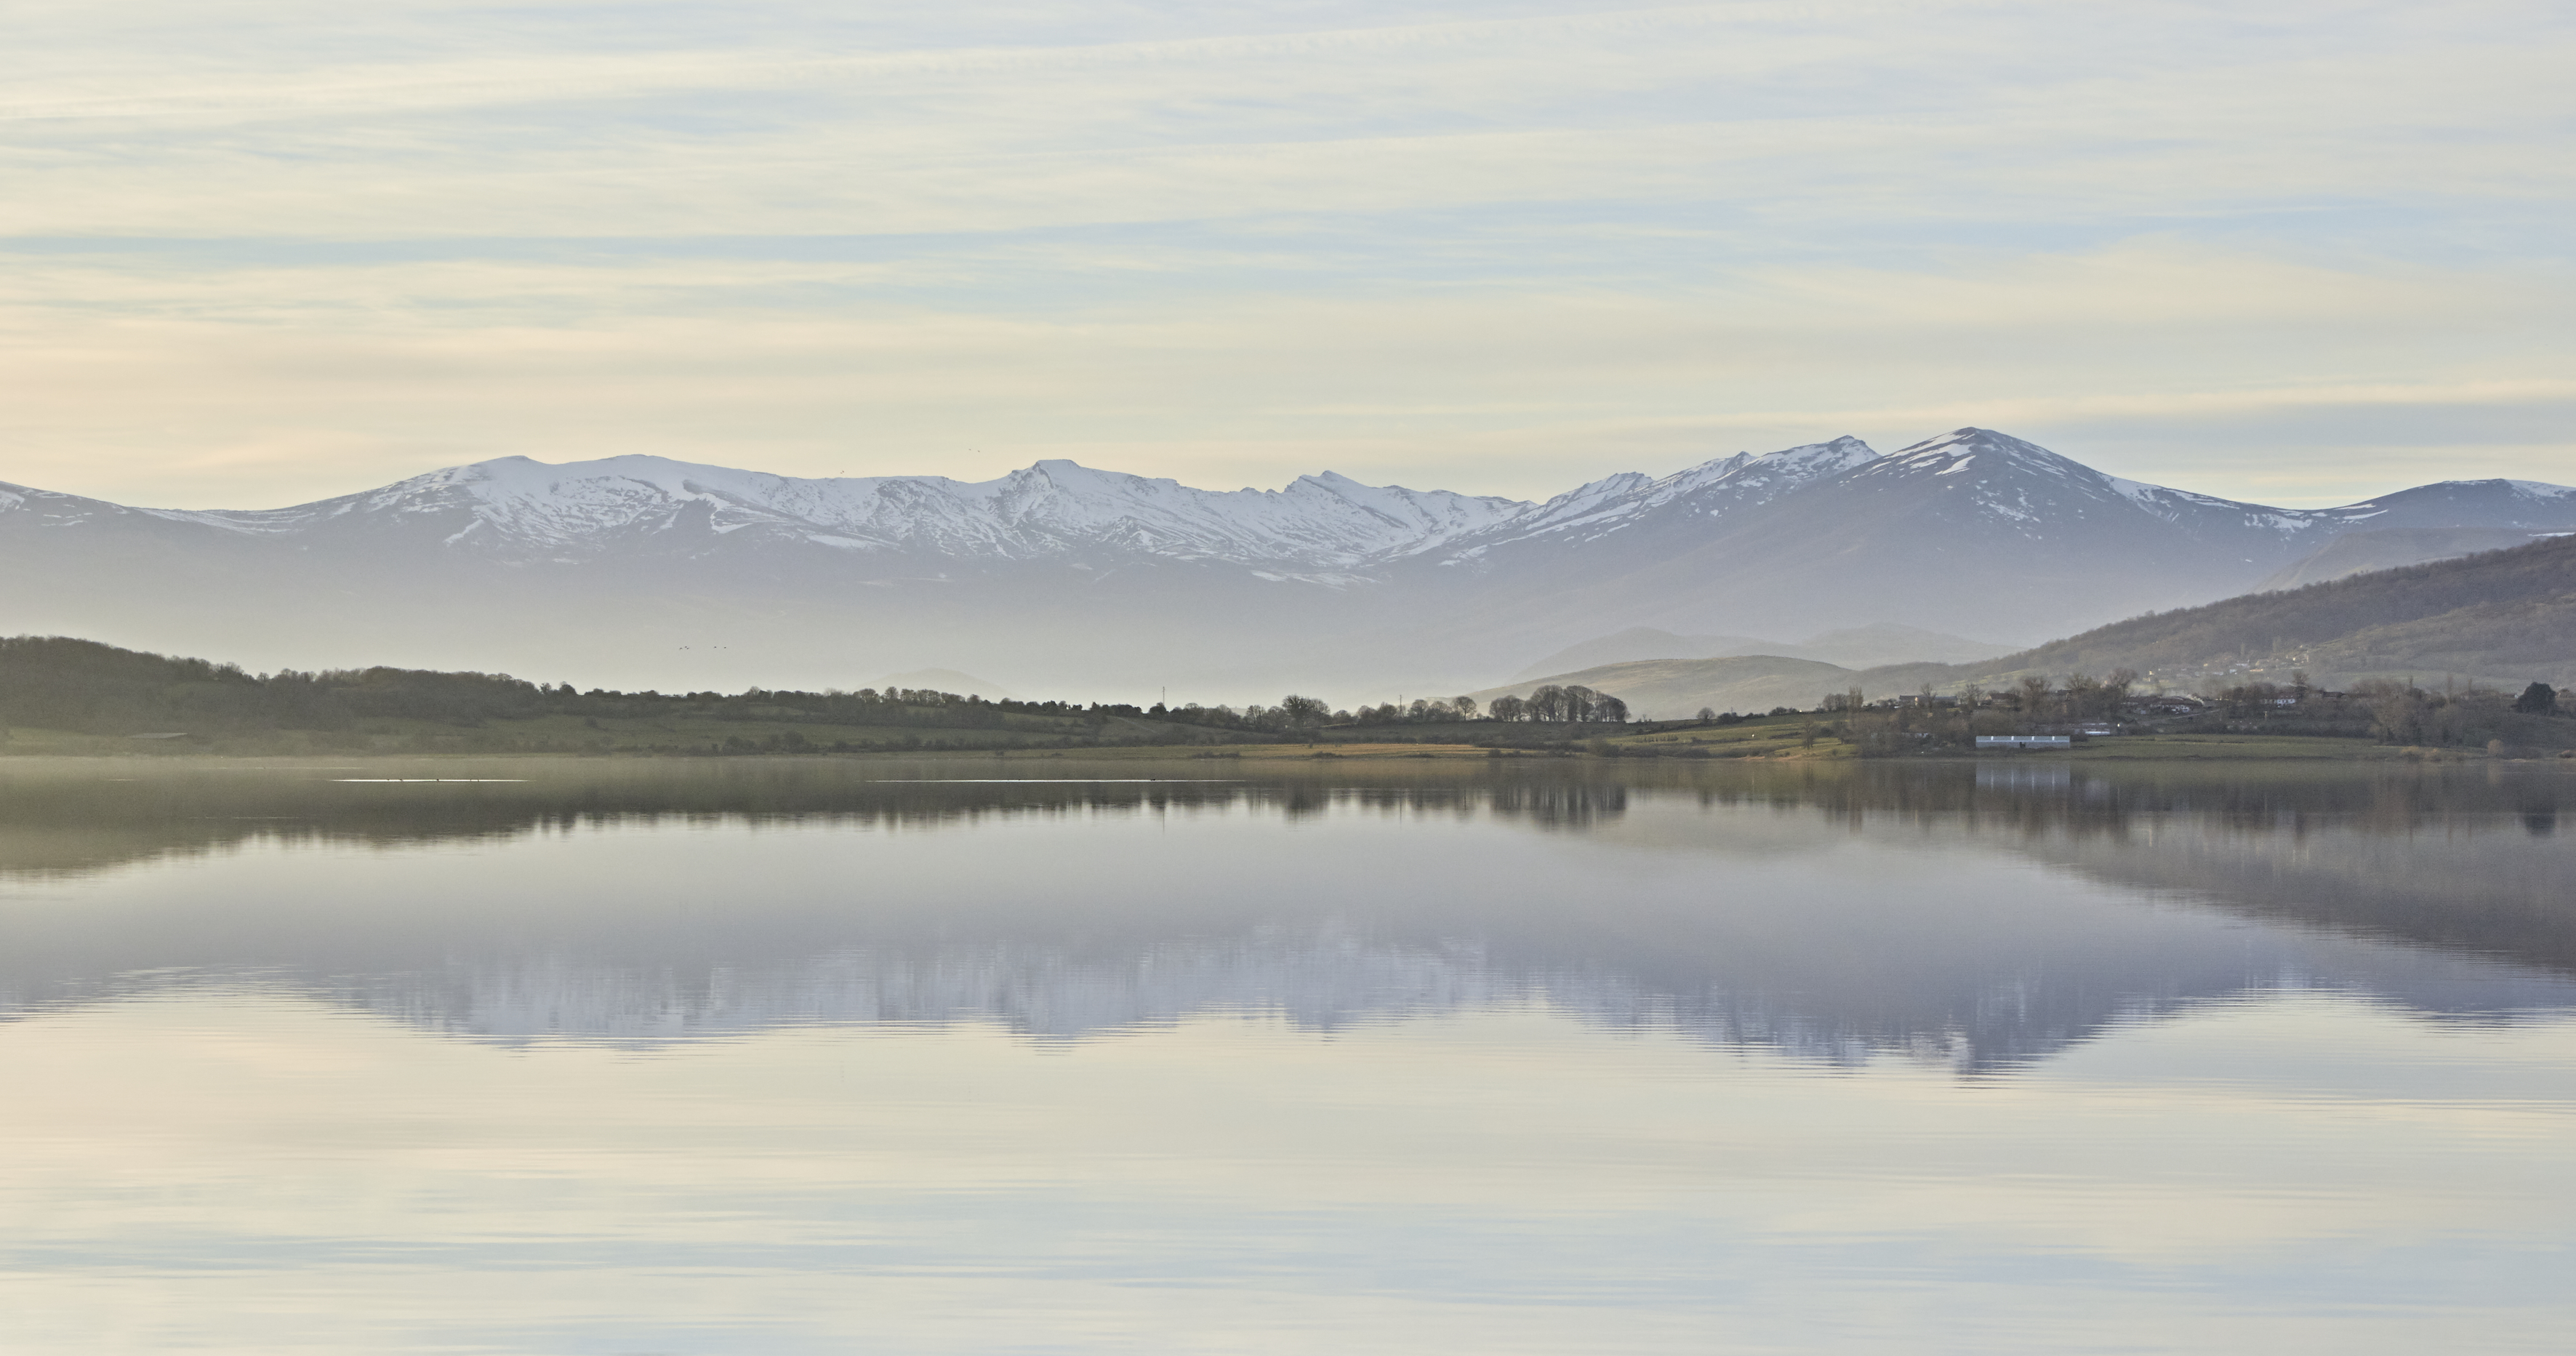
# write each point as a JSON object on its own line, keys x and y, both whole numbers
{"x": 1497, "y": 246}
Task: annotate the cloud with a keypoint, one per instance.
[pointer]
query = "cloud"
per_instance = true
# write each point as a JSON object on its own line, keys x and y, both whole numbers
{"x": 1965, "y": 111}
{"x": 247, "y": 386}
{"x": 269, "y": 250}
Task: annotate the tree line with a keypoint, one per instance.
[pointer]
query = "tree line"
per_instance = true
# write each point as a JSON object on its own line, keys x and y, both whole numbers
{"x": 1572, "y": 704}
{"x": 61, "y": 683}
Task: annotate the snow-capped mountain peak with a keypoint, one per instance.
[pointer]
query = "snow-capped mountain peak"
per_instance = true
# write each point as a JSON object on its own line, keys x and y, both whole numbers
{"x": 1959, "y": 449}
{"x": 1818, "y": 459}
{"x": 2021, "y": 487}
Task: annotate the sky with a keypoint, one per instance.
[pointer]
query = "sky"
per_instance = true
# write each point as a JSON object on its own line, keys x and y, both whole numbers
{"x": 253, "y": 254}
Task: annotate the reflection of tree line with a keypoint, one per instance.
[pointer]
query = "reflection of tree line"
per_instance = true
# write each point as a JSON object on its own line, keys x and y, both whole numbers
{"x": 2036, "y": 796}
{"x": 57, "y": 824}
{"x": 66, "y": 822}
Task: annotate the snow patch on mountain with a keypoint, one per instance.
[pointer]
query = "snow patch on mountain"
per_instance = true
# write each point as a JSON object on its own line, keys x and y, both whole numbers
{"x": 1711, "y": 488}
{"x": 2033, "y": 491}
{"x": 519, "y": 505}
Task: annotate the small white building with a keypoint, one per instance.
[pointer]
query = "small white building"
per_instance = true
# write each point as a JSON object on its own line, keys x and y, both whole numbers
{"x": 2025, "y": 741}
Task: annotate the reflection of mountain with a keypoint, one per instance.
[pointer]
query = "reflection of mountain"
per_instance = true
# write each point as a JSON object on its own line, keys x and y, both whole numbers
{"x": 1718, "y": 901}
{"x": 2010, "y": 1008}
{"x": 1318, "y": 983}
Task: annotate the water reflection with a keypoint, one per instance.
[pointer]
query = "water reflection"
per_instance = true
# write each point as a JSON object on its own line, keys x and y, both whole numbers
{"x": 1979, "y": 916}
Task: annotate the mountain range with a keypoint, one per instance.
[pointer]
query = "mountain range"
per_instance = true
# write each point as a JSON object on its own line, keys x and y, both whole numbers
{"x": 635, "y": 570}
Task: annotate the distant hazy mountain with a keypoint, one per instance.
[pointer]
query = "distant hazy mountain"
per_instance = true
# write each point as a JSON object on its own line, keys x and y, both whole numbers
{"x": 1880, "y": 643}
{"x": 634, "y": 571}
{"x": 1645, "y": 642}
{"x": 1857, "y": 647}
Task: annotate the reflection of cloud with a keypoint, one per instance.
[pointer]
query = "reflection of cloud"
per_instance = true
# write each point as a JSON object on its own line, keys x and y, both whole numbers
{"x": 1497, "y": 1185}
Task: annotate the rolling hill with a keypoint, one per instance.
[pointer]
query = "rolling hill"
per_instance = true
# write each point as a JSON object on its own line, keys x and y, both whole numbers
{"x": 1856, "y": 647}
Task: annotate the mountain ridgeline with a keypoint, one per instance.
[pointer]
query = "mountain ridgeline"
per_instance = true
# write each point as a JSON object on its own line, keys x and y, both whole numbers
{"x": 1060, "y": 578}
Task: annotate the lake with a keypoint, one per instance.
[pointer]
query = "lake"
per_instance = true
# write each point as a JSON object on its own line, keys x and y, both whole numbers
{"x": 1220, "y": 1056}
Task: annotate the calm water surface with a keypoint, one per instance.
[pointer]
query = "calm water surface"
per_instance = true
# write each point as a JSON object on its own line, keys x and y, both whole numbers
{"x": 866, "y": 1056}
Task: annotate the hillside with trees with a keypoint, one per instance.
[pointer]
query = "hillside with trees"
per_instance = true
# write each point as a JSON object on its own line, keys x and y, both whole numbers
{"x": 2499, "y": 617}
{"x": 62, "y": 685}
{"x": 2498, "y": 620}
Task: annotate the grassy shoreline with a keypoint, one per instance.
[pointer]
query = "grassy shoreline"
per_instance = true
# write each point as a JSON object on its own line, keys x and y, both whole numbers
{"x": 1783, "y": 739}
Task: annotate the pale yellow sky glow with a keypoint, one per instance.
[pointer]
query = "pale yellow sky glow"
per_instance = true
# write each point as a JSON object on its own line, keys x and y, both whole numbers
{"x": 263, "y": 253}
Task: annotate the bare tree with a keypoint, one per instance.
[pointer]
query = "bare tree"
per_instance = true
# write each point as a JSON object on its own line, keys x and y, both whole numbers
{"x": 2083, "y": 695}
{"x": 1302, "y": 713}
